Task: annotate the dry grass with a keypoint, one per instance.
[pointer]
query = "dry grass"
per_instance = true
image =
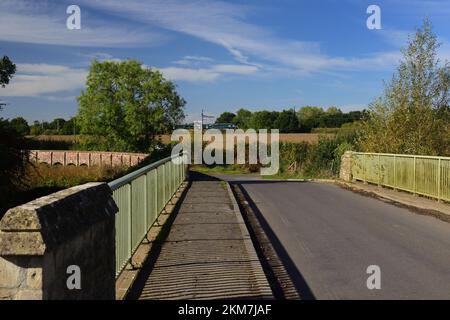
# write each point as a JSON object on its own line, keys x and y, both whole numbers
{"x": 284, "y": 137}
{"x": 42, "y": 175}
{"x": 64, "y": 138}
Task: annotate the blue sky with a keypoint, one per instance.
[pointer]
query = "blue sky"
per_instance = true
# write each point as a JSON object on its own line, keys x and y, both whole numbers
{"x": 222, "y": 55}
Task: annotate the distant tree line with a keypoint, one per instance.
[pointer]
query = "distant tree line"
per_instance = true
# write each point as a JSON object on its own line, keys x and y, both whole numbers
{"x": 58, "y": 126}
{"x": 290, "y": 121}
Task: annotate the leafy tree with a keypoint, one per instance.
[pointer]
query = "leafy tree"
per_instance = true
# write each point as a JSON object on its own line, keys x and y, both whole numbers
{"x": 70, "y": 127}
{"x": 36, "y": 128}
{"x": 7, "y": 70}
{"x": 226, "y": 117}
{"x": 20, "y": 125}
{"x": 287, "y": 121}
{"x": 57, "y": 125}
{"x": 263, "y": 120}
{"x": 13, "y": 155}
{"x": 126, "y": 104}
{"x": 242, "y": 118}
{"x": 413, "y": 114}
{"x": 308, "y": 117}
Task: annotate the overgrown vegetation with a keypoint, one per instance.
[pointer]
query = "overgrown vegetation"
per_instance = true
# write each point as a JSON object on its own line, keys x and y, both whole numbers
{"x": 39, "y": 180}
{"x": 413, "y": 114}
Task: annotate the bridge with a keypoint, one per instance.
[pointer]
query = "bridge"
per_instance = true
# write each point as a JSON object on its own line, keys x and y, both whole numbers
{"x": 86, "y": 158}
{"x": 162, "y": 232}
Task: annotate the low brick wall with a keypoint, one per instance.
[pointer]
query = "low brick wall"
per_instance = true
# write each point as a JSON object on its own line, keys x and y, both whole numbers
{"x": 345, "y": 172}
{"x": 88, "y": 158}
{"x": 42, "y": 240}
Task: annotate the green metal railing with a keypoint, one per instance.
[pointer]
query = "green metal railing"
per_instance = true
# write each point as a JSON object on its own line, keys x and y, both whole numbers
{"x": 425, "y": 175}
{"x": 141, "y": 196}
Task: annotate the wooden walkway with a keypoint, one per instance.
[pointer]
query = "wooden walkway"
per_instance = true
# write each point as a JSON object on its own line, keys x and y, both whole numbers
{"x": 208, "y": 253}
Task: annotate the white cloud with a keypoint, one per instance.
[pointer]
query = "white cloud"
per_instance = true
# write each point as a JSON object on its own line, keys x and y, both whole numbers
{"x": 41, "y": 79}
{"x": 205, "y": 74}
{"x": 25, "y": 21}
{"x": 187, "y": 74}
{"x": 193, "y": 60}
{"x": 224, "y": 24}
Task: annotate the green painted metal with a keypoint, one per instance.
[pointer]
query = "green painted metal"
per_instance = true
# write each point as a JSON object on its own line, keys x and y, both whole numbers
{"x": 141, "y": 196}
{"x": 425, "y": 175}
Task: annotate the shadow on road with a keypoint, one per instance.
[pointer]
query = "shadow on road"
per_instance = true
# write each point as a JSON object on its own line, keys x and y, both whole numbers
{"x": 297, "y": 279}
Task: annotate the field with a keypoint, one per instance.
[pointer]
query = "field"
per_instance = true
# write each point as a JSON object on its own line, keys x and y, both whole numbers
{"x": 284, "y": 137}
{"x": 41, "y": 180}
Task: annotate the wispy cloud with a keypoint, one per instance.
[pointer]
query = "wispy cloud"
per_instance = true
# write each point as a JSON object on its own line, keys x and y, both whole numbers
{"x": 26, "y": 21}
{"x": 206, "y": 74}
{"x": 225, "y": 24}
{"x": 40, "y": 79}
{"x": 189, "y": 60}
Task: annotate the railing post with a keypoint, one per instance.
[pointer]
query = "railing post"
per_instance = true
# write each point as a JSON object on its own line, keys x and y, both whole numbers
{"x": 146, "y": 202}
{"x": 395, "y": 172}
{"x": 365, "y": 168}
{"x": 130, "y": 222}
{"x": 379, "y": 170}
{"x": 439, "y": 180}
{"x": 414, "y": 176}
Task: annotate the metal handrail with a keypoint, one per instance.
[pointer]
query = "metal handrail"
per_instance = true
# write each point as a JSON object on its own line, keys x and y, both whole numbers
{"x": 141, "y": 196}
{"x": 401, "y": 155}
{"x": 115, "y": 184}
{"x": 418, "y": 174}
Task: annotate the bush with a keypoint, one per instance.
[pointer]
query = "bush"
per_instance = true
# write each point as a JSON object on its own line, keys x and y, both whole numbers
{"x": 12, "y": 162}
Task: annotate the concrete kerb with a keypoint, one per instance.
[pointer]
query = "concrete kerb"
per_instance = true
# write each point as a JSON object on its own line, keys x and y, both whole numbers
{"x": 263, "y": 284}
{"x": 433, "y": 208}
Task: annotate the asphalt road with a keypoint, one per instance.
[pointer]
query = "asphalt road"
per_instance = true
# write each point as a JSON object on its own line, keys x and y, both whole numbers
{"x": 332, "y": 235}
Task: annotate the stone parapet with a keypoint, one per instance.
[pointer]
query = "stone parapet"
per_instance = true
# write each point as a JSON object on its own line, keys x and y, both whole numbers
{"x": 42, "y": 239}
{"x": 345, "y": 172}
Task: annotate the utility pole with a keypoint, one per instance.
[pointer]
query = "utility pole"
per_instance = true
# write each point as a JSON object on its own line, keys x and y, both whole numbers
{"x": 204, "y": 116}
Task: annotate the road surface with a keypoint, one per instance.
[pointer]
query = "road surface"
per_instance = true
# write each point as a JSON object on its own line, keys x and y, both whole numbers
{"x": 332, "y": 235}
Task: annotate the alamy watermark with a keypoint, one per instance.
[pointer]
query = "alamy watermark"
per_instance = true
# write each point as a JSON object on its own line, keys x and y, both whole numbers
{"x": 374, "y": 280}
{"x": 374, "y": 20}
{"x": 74, "y": 279}
{"x": 251, "y": 147}
{"x": 73, "y": 21}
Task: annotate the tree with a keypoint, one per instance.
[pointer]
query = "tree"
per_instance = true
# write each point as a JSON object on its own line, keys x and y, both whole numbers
{"x": 226, "y": 117}
{"x": 413, "y": 114}
{"x": 287, "y": 121}
{"x": 242, "y": 118}
{"x": 308, "y": 117}
{"x": 70, "y": 127}
{"x": 125, "y": 104}
{"x": 12, "y": 146}
{"x": 263, "y": 120}
{"x": 20, "y": 125}
{"x": 7, "y": 70}
{"x": 57, "y": 124}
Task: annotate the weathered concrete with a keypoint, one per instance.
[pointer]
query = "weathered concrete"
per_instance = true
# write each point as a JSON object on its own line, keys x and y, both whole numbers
{"x": 208, "y": 253}
{"x": 41, "y": 239}
{"x": 88, "y": 158}
{"x": 345, "y": 172}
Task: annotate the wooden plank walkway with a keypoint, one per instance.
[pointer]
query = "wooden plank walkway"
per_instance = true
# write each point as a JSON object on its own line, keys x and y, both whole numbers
{"x": 208, "y": 253}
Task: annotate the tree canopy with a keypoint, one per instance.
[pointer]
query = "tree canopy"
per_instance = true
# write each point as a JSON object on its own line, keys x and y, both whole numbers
{"x": 413, "y": 114}
{"x": 7, "y": 70}
{"x": 226, "y": 117}
{"x": 125, "y": 104}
